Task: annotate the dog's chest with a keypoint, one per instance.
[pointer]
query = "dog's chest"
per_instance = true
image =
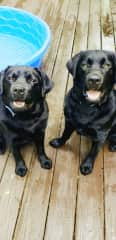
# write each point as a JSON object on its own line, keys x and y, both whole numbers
{"x": 27, "y": 126}
{"x": 84, "y": 121}
{"x": 81, "y": 113}
{"x": 85, "y": 118}
{"x": 93, "y": 121}
{"x": 19, "y": 129}
{"x": 23, "y": 130}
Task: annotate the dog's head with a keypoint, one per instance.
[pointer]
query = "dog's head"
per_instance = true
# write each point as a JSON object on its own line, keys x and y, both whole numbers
{"x": 22, "y": 86}
{"x": 93, "y": 73}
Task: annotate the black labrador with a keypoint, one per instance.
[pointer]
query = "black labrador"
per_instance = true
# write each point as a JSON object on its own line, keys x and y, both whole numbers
{"x": 90, "y": 105}
{"x": 24, "y": 112}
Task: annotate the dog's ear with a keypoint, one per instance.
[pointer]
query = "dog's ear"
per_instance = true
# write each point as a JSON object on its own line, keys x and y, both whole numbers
{"x": 1, "y": 82}
{"x": 114, "y": 61}
{"x": 112, "y": 56}
{"x": 2, "y": 76}
{"x": 72, "y": 63}
{"x": 47, "y": 84}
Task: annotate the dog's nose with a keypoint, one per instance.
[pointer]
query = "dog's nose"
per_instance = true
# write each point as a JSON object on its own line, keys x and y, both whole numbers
{"x": 19, "y": 91}
{"x": 94, "y": 80}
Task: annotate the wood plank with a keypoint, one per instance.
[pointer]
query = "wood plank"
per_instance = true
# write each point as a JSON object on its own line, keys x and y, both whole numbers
{"x": 89, "y": 214}
{"x": 3, "y": 161}
{"x": 90, "y": 208}
{"x": 63, "y": 196}
{"x": 34, "y": 6}
{"x": 109, "y": 157}
{"x": 107, "y": 27}
{"x": 81, "y": 33}
{"x": 11, "y": 191}
{"x": 11, "y": 3}
{"x": 61, "y": 213}
{"x": 110, "y": 193}
{"x": 94, "y": 32}
{"x": 56, "y": 19}
{"x": 113, "y": 15}
{"x": 32, "y": 217}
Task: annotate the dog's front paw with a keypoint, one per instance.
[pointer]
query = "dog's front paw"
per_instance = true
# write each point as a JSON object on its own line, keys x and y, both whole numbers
{"x": 21, "y": 170}
{"x": 112, "y": 147}
{"x": 56, "y": 143}
{"x": 46, "y": 163}
{"x": 86, "y": 167}
{"x": 2, "y": 148}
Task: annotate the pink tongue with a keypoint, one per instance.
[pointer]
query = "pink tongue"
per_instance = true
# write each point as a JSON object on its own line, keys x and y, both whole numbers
{"x": 93, "y": 95}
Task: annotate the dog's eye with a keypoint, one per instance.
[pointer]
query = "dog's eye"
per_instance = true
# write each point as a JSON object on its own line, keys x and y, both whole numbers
{"x": 29, "y": 77}
{"x": 103, "y": 61}
{"x": 84, "y": 66}
{"x": 34, "y": 80}
{"x": 89, "y": 62}
{"x": 9, "y": 78}
{"x": 106, "y": 65}
{"x": 14, "y": 76}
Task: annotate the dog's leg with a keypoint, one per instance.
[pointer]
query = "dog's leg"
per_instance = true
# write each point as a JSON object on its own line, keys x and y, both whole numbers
{"x": 112, "y": 146}
{"x": 21, "y": 168}
{"x": 87, "y": 165}
{"x": 112, "y": 141}
{"x": 2, "y": 145}
{"x": 44, "y": 160}
{"x": 58, "y": 142}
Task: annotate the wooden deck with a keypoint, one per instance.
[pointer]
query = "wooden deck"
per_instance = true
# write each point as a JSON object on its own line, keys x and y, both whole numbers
{"x": 61, "y": 204}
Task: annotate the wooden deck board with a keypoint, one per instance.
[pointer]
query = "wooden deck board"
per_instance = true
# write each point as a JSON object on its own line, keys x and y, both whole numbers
{"x": 11, "y": 190}
{"x": 108, "y": 38}
{"x": 62, "y": 210}
{"x": 61, "y": 204}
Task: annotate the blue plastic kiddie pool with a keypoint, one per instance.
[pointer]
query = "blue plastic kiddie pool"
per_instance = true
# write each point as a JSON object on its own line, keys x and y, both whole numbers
{"x": 24, "y": 38}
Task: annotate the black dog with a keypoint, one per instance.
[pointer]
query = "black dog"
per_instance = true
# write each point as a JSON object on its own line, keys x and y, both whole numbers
{"x": 90, "y": 106}
{"x": 24, "y": 112}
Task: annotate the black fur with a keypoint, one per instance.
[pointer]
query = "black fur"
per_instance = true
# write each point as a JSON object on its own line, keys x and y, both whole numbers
{"x": 20, "y": 125}
{"x": 96, "y": 71}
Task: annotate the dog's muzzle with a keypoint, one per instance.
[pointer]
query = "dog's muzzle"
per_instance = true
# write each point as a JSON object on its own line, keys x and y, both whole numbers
{"x": 94, "y": 80}
{"x": 18, "y": 92}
